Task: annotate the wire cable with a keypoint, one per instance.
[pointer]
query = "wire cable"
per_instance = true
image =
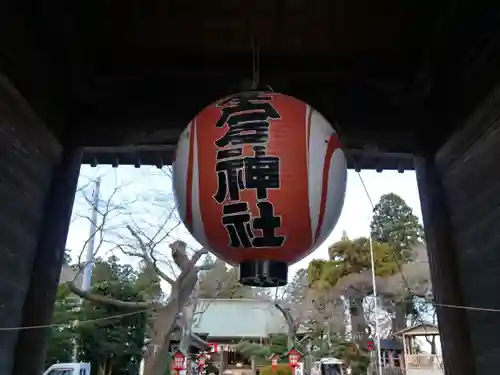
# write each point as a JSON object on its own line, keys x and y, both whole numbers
{"x": 469, "y": 308}
{"x": 398, "y": 264}
{"x": 75, "y": 323}
{"x": 463, "y": 307}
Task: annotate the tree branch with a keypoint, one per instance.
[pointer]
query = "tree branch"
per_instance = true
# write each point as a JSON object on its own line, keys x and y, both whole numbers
{"x": 205, "y": 267}
{"x": 104, "y": 300}
{"x": 179, "y": 255}
{"x": 147, "y": 255}
{"x": 104, "y": 216}
{"x": 291, "y": 325}
{"x": 198, "y": 254}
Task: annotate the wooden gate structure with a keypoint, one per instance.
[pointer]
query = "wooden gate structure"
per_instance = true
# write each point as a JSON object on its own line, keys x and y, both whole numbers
{"x": 408, "y": 84}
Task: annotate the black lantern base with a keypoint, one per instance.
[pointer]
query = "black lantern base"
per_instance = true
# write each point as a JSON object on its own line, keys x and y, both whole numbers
{"x": 263, "y": 273}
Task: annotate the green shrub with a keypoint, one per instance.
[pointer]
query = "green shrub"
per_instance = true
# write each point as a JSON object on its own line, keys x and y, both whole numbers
{"x": 280, "y": 369}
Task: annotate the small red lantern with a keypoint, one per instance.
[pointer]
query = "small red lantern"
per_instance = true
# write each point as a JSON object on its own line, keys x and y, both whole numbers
{"x": 275, "y": 359}
{"x": 294, "y": 357}
{"x": 214, "y": 347}
{"x": 370, "y": 345}
{"x": 259, "y": 178}
{"x": 201, "y": 360}
{"x": 179, "y": 362}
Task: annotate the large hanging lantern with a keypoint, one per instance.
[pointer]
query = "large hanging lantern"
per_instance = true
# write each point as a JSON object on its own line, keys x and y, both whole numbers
{"x": 259, "y": 179}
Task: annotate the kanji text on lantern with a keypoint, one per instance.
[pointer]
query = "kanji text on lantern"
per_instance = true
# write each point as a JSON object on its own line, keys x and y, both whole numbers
{"x": 248, "y": 117}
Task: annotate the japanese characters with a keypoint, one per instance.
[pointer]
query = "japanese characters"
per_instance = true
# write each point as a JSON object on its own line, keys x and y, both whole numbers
{"x": 248, "y": 118}
{"x": 259, "y": 179}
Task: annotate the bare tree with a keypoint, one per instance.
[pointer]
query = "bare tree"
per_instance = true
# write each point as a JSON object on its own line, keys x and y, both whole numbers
{"x": 305, "y": 308}
{"x": 143, "y": 239}
{"x": 395, "y": 293}
{"x": 326, "y": 312}
{"x": 376, "y": 313}
{"x": 431, "y": 339}
{"x": 292, "y": 324}
{"x": 354, "y": 288}
{"x": 400, "y": 290}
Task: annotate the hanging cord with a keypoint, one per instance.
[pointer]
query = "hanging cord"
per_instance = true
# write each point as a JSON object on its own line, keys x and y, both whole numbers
{"x": 255, "y": 65}
{"x": 256, "y": 84}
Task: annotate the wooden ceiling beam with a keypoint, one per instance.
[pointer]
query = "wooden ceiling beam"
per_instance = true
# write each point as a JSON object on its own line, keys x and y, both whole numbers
{"x": 161, "y": 156}
{"x": 382, "y": 97}
{"x": 133, "y": 62}
{"x": 136, "y": 133}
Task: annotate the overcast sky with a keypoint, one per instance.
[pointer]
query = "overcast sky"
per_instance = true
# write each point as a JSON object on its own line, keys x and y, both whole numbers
{"x": 140, "y": 189}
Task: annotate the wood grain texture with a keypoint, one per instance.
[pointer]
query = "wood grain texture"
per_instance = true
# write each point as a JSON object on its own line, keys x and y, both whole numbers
{"x": 470, "y": 168}
{"x": 28, "y": 153}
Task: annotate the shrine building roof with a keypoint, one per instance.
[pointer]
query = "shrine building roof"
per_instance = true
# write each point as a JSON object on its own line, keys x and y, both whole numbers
{"x": 238, "y": 318}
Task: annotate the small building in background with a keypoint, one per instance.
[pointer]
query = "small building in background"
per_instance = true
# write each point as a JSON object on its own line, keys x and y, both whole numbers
{"x": 416, "y": 360}
{"x": 391, "y": 351}
{"x": 228, "y": 322}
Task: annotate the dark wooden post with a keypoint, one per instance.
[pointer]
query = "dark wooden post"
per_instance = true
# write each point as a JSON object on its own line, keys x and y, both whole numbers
{"x": 453, "y": 325}
{"x": 39, "y": 303}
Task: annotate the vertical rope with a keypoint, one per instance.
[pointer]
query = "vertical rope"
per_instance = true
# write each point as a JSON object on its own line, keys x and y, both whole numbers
{"x": 255, "y": 64}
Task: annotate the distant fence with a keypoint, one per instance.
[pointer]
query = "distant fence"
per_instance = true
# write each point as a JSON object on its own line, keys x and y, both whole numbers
{"x": 392, "y": 371}
{"x": 424, "y": 361}
{"x": 373, "y": 370}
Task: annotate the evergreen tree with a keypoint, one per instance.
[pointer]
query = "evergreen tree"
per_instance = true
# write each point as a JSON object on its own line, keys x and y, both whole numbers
{"x": 113, "y": 345}
{"x": 394, "y": 223}
{"x": 67, "y": 257}
{"x": 348, "y": 272}
{"x": 61, "y": 339}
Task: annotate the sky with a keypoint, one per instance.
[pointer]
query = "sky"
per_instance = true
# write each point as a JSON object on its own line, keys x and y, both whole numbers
{"x": 147, "y": 193}
{"x": 144, "y": 197}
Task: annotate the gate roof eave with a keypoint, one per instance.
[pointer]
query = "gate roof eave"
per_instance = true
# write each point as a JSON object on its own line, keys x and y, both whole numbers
{"x": 161, "y": 155}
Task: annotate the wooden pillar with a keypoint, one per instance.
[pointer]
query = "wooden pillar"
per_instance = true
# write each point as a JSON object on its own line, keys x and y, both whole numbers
{"x": 222, "y": 359}
{"x": 39, "y": 302}
{"x": 402, "y": 356}
{"x": 390, "y": 358}
{"x": 453, "y": 325}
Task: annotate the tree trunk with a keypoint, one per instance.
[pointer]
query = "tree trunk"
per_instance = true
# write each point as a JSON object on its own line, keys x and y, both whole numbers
{"x": 187, "y": 325}
{"x": 358, "y": 322}
{"x": 222, "y": 363}
{"x": 432, "y": 342}
{"x": 399, "y": 319}
{"x": 156, "y": 357}
{"x": 290, "y": 340}
{"x": 292, "y": 329}
{"x": 337, "y": 318}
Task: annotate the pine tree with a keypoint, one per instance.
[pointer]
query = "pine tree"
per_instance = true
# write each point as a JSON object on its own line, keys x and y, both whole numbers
{"x": 394, "y": 223}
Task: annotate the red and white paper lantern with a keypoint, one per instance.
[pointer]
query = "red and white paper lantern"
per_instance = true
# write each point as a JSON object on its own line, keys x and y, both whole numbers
{"x": 260, "y": 179}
